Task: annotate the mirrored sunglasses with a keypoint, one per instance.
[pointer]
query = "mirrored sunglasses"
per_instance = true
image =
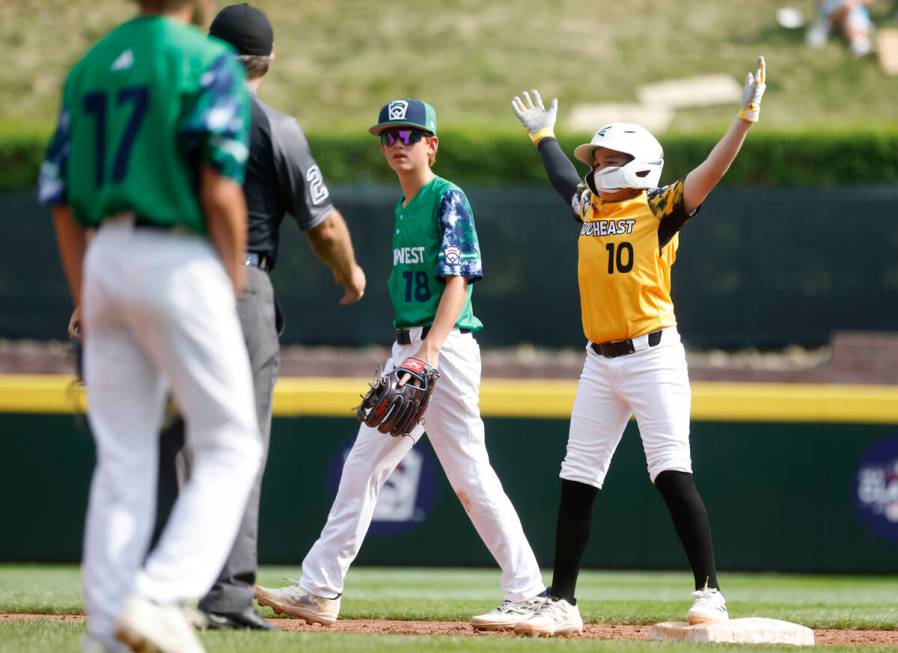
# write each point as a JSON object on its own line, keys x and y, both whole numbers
{"x": 407, "y": 136}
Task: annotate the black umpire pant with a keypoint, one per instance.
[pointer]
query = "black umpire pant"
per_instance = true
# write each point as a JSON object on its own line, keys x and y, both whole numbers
{"x": 260, "y": 319}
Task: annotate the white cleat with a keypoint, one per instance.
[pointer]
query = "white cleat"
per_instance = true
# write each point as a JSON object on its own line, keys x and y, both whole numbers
{"x": 293, "y": 601}
{"x": 148, "y": 626}
{"x": 708, "y": 605}
{"x": 508, "y": 615}
{"x": 553, "y": 617}
{"x": 196, "y": 618}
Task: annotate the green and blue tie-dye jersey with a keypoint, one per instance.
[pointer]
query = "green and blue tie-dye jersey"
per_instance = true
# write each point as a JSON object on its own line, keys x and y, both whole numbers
{"x": 433, "y": 238}
{"x": 142, "y": 112}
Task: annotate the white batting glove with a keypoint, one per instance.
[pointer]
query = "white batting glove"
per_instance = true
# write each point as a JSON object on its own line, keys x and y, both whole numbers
{"x": 755, "y": 85}
{"x": 537, "y": 120}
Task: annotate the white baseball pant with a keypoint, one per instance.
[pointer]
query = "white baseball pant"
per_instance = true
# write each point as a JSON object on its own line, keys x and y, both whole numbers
{"x": 653, "y": 384}
{"x": 453, "y": 424}
{"x": 159, "y": 313}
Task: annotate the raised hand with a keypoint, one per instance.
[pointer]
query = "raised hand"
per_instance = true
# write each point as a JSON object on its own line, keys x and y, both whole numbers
{"x": 536, "y": 119}
{"x": 755, "y": 85}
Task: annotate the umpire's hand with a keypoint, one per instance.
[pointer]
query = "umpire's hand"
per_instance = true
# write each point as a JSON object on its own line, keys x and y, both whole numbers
{"x": 354, "y": 284}
{"x": 74, "y": 328}
{"x": 332, "y": 243}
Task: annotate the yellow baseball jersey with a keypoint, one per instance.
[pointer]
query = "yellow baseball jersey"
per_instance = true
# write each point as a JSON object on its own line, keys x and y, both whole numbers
{"x": 626, "y": 250}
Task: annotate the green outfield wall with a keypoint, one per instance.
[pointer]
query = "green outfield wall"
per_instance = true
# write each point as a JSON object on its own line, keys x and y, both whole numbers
{"x": 796, "y": 478}
{"x": 757, "y": 267}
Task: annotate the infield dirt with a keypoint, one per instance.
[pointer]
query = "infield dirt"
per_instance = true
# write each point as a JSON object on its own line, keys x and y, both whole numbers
{"x": 823, "y": 636}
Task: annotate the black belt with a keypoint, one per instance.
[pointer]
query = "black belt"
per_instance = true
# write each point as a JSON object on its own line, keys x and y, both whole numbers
{"x": 257, "y": 260}
{"x": 404, "y": 336}
{"x": 145, "y": 223}
{"x": 622, "y": 347}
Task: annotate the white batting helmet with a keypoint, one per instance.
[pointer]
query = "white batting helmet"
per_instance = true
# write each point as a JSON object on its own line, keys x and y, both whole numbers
{"x": 644, "y": 171}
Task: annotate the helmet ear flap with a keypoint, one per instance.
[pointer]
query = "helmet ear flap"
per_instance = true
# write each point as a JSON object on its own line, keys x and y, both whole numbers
{"x": 643, "y": 174}
{"x": 590, "y": 179}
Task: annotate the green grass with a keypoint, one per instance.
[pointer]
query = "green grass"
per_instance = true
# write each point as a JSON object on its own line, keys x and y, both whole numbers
{"x": 338, "y": 61}
{"x": 455, "y": 594}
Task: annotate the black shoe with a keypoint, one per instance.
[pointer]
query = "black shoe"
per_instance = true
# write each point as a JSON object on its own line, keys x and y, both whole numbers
{"x": 249, "y": 619}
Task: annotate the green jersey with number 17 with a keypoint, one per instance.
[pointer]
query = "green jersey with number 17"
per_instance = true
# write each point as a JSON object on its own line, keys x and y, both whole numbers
{"x": 433, "y": 238}
{"x": 148, "y": 106}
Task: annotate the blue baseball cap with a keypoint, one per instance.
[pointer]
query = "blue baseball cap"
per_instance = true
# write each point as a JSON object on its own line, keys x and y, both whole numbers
{"x": 406, "y": 113}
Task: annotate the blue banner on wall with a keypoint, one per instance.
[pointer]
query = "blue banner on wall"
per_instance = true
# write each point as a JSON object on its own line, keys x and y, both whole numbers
{"x": 876, "y": 495}
{"x": 406, "y": 497}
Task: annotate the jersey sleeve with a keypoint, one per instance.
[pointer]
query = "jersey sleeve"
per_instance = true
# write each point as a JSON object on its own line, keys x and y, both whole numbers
{"x": 668, "y": 206}
{"x": 459, "y": 253}
{"x": 303, "y": 191}
{"x": 217, "y": 120}
{"x": 51, "y": 184}
{"x": 561, "y": 172}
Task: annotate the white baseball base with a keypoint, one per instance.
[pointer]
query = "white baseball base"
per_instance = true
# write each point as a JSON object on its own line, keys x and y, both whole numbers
{"x": 751, "y": 630}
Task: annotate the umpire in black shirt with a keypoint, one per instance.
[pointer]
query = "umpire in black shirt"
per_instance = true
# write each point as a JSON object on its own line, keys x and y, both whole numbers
{"x": 281, "y": 177}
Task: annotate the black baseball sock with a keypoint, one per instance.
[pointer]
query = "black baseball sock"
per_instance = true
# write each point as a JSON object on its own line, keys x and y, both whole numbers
{"x": 690, "y": 519}
{"x": 571, "y": 535}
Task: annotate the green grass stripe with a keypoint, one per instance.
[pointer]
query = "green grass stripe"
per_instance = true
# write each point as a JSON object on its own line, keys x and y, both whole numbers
{"x": 854, "y": 602}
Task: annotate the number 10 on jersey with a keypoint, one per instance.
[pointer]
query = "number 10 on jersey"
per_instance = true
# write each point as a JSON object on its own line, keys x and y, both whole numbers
{"x": 620, "y": 257}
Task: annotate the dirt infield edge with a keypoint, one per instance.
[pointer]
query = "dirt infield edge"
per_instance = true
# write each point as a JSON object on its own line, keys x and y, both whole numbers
{"x": 823, "y": 636}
